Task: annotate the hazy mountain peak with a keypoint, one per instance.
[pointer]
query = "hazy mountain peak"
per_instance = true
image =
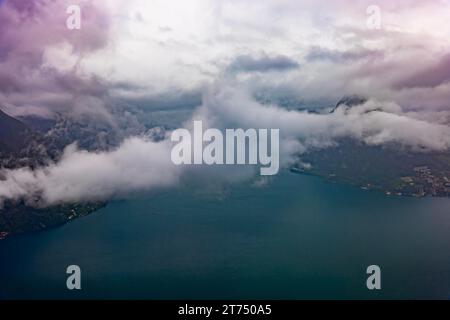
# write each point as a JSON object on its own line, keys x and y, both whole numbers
{"x": 13, "y": 133}
{"x": 349, "y": 101}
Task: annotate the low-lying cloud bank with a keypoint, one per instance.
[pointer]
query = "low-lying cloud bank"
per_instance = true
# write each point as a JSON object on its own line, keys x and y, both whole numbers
{"x": 137, "y": 165}
{"x": 140, "y": 164}
{"x": 373, "y": 122}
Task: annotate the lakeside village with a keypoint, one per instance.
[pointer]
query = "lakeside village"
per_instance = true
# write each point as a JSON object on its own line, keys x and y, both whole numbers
{"x": 424, "y": 182}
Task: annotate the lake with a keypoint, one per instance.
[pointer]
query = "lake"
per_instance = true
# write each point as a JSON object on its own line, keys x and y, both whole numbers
{"x": 295, "y": 237}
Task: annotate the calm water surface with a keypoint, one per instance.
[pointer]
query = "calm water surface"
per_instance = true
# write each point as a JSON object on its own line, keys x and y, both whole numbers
{"x": 296, "y": 237}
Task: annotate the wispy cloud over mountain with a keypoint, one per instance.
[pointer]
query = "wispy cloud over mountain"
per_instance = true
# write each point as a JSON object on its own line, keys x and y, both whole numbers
{"x": 140, "y": 164}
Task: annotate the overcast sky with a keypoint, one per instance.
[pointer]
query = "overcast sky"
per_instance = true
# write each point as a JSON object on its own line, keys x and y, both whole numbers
{"x": 308, "y": 50}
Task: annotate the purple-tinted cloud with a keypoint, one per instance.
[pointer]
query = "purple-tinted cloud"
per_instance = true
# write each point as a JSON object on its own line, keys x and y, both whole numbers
{"x": 28, "y": 30}
{"x": 430, "y": 77}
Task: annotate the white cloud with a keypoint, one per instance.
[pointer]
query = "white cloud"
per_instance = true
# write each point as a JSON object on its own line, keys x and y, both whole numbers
{"x": 228, "y": 105}
{"x": 137, "y": 165}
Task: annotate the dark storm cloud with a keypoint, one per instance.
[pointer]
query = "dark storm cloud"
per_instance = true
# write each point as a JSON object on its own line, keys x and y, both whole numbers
{"x": 263, "y": 63}
{"x": 336, "y": 56}
{"x": 139, "y": 97}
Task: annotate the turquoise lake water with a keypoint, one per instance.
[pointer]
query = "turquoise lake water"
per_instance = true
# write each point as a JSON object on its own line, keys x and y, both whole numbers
{"x": 296, "y": 237}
